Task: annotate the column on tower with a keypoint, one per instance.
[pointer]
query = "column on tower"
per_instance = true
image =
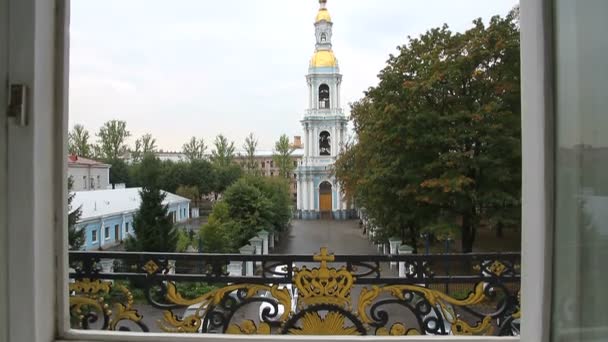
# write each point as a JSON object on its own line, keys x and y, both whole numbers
{"x": 338, "y": 197}
{"x": 334, "y": 139}
{"x": 304, "y": 192}
{"x": 340, "y": 135}
{"x": 316, "y": 141}
{"x": 299, "y": 192}
{"x": 338, "y": 94}
{"x": 310, "y": 94}
{"x": 311, "y": 194}
{"x": 306, "y": 140}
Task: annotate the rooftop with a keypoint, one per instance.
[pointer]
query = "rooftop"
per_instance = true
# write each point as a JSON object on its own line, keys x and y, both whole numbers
{"x": 76, "y": 160}
{"x": 99, "y": 203}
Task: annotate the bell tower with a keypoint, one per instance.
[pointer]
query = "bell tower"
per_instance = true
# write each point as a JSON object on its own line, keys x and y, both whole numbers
{"x": 324, "y": 127}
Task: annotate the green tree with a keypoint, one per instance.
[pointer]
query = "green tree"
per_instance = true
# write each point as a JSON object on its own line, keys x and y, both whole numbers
{"x": 194, "y": 149}
{"x": 214, "y": 234}
{"x": 223, "y": 154}
{"x": 78, "y": 142}
{"x": 112, "y": 138}
{"x": 250, "y": 209}
{"x": 282, "y": 156}
{"x": 144, "y": 145}
{"x": 76, "y": 235}
{"x": 439, "y": 137}
{"x": 153, "y": 228}
{"x": 119, "y": 172}
{"x": 276, "y": 190}
{"x": 201, "y": 174}
{"x": 250, "y": 146}
{"x": 249, "y": 205}
{"x": 224, "y": 176}
{"x": 189, "y": 192}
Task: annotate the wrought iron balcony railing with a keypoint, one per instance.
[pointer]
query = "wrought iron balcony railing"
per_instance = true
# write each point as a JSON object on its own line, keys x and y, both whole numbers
{"x": 319, "y": 294}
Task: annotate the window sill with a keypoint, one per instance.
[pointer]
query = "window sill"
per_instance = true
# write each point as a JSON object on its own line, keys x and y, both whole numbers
{"x": 80, "y": 336}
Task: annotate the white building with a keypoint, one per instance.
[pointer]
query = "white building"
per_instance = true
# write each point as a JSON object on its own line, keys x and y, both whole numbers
{"x": 107, "y": 215}
{"x": 88, "y": 174}
{"x": 324, "y": 126}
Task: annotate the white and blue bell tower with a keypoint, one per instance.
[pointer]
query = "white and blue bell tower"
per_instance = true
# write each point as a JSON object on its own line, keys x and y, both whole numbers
{"x": 324, "y": 124}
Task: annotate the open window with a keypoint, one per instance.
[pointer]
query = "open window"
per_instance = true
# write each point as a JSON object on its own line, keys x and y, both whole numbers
{"x": 324, "y": 96}
{"x": 325, "y": 144}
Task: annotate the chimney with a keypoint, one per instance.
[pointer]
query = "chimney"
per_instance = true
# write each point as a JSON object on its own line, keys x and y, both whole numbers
{"x": 297, "y": 141}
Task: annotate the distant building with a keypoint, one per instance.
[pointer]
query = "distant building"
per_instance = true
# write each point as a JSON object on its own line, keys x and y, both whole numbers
{"x": 88, "y": 174}
{"x": 265, "y": 164}
{"x": 263, "y": 159}
{"x": 107, "y": 215}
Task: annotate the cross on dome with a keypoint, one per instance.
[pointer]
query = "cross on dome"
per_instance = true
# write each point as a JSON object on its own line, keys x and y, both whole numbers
{"x": 323, "y": 12}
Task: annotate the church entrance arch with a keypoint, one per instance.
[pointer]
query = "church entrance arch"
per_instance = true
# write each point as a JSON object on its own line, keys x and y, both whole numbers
{"x": 325, "y": 199}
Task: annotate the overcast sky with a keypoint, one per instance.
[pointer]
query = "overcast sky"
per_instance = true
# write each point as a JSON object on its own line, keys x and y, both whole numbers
{"x": 178, "y": 68}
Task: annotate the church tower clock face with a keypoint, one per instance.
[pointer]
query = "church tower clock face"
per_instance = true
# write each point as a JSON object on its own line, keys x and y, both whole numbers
{"x": 324, "y": 124}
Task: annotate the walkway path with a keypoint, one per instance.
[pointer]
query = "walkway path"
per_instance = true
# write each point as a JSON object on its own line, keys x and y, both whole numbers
{"x": 340, "y": 237}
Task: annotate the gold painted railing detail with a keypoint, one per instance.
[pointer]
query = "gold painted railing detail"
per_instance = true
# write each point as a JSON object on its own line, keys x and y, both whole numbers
{"x": 88, "y": 303}
{"x": 320, "y": 300}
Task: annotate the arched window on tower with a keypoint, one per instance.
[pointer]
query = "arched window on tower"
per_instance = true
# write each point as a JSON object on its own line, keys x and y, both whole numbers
{"x": 324, "y": 96}
{"x": 324, "y": 143}
{"x": 323, "y": 37}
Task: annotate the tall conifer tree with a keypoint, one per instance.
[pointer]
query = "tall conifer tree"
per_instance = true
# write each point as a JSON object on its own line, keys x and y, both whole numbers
{"x": 153, "y": 227}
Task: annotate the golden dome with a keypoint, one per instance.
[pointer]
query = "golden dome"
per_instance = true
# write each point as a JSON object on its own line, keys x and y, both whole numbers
{"x": 323, "y": 15}
{"x": 323, "y": 58}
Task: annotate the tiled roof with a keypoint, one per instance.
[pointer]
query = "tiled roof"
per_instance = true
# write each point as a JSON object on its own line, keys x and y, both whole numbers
{"x": 76, "y": 160}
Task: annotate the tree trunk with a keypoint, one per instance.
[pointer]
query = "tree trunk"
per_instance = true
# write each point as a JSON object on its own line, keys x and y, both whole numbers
{"x": 499, "y": 230}
{"x": 413, "y": 239}
{"x": 468, "y": 233}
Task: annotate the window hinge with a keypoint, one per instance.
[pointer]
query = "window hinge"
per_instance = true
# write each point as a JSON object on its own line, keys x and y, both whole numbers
{"x": 17, "y": 99}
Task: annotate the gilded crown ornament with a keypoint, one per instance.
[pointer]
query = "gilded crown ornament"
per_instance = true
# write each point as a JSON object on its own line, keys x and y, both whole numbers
{"x": 323, "y": 285}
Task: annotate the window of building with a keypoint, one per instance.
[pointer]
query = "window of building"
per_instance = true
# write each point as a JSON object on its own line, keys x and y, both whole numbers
{"x": 324, "y": 144}
{"x": 295, "y": 163}
{"x": 84, "y": 182}
{"x": 106, "y": 233}
{"x": 324, "y": 96}
{"x": 127, "y": 227}
{"x": 94, "y": 236}
{"x": 263, "y": 165}
{"x": 271, "y": 174}
{"x": 271, "y": 164}
{"x": 98, "y": 180}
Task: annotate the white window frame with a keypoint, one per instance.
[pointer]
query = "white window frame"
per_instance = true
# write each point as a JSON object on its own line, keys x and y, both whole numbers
{"x": 37, "y": 256}
{"x": 106, "y": 233}
{"x": 94, "y": 235}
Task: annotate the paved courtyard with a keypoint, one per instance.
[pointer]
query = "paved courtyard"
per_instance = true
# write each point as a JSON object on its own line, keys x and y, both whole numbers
{"x": 340, "y": 237}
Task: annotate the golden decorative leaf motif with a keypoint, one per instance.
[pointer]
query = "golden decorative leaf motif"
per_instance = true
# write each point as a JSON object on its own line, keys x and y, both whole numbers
{"x": 497, "y": 268}
{"x": 460, "y": 327}
{"x": 332, "y": 324}
{"x": 92, "y": 295}
{"x": 172, "y": 324}
{"x": 90, "y": 286}
{"x": 397, "y": 329}
{"x": 151, "y": 267}
{"x": 248, "y": 327}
